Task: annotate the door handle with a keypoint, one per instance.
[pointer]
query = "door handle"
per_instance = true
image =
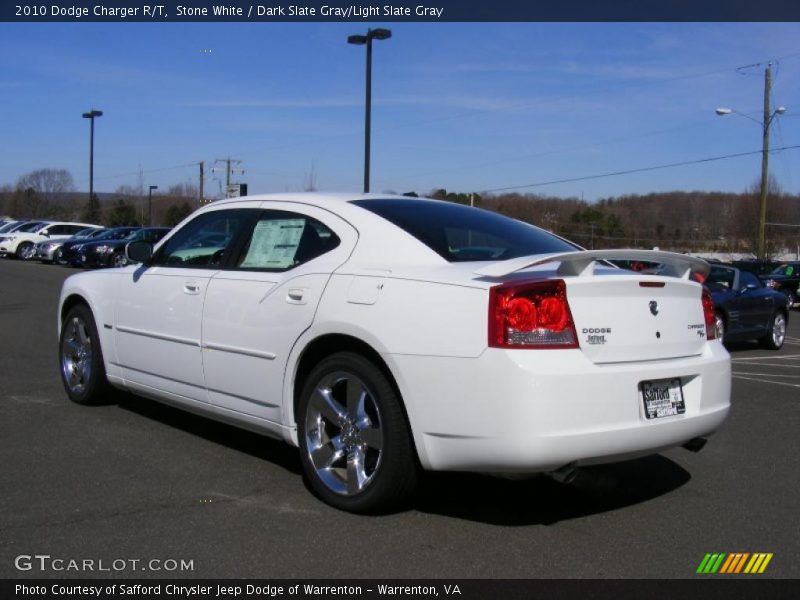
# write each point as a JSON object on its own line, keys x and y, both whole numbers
{"x": 191, "y": 287}
{"x": 296, "y": 296}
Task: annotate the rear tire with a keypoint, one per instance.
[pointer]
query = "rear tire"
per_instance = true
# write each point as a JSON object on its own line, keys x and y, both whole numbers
{"x": 80, "y": 357}
{"x": 777, "y": 332}
{"x": 355, "y": 444}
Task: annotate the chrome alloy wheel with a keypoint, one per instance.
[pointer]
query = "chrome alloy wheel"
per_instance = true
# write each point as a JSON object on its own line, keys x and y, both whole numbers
{"x": 119, "y": 260}
{"x": 76, "y": 355}
{"x": 778, "y": 330}
{"x": 344, "y": 437}
{"x": 26, "y": 251}
{"x": 719, "y": 325}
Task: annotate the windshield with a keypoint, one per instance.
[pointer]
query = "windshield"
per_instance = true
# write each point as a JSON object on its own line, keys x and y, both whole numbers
{"x": 117, "y": 234}
{"x": 11, "y": 226}
{"x": 460, "y": 233}
{"x": 28, "y": 227}
{"x": 83, "y": 233}
{"x": 787, "y": 270}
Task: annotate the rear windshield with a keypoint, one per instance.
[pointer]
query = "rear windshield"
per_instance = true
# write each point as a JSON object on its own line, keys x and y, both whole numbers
{"x": 460, "y": 233}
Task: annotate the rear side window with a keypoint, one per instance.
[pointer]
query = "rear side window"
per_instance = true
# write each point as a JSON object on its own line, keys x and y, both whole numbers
{"x": 460, "y": 233}
{"x": 280, "y": 240}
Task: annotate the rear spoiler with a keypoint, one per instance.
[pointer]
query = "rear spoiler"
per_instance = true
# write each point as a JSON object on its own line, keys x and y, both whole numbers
{"x": 581, "y": 263}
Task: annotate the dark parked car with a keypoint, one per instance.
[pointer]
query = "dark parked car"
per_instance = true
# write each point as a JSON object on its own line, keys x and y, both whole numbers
{"x": 756, "y": 266}
{"x": 71, "y": 251}
{"x": 745, "y": 309}
{"x": 786, "y": 279}
{"x": 111, "y": 253}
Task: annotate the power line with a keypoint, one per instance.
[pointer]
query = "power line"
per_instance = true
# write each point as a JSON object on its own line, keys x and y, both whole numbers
{"x": 142, "y": 171}
{"x": 639, "y": 170}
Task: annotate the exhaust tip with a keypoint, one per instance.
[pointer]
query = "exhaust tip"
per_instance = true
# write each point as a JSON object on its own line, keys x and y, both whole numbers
{"x": 565, "y": 475}
{"x": 695, "y": 444}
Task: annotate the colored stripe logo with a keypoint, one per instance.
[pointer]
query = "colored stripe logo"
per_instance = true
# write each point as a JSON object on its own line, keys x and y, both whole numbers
{"x": 734, "y": 563}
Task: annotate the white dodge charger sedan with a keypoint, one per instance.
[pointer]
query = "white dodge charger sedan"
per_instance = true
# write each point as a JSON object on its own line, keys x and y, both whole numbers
{"x": 384, "y": 335}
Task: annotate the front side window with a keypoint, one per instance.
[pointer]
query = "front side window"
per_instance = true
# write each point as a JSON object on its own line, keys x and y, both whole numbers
{"x": 282, "y": 240}
{"x": 204, "y": 241}
{"x": 748, "y": 279}
{"x": 720, "y": 279}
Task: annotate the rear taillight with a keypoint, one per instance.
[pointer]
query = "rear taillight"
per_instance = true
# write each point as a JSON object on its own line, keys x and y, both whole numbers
{"x": 531, "y": 315}
{"x": 708, "y": 315}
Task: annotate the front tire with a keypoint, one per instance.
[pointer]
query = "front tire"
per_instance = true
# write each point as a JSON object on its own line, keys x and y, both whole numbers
{"x": 791, "y": 299}
{"x": 25, "y": 251}
{"x": 81, "y": 358}
{"x": 719, "y": 325}
{"x": 119, "y": 260}
{"x": 777, "y": 332}
{"x": 355, "y": 445}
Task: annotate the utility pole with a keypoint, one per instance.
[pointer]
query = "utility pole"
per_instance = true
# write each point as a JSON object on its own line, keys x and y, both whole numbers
{"x": 762, "y": 210}
{"x": 202, "y": 164}
{"x": 765, "y": 124}
{"x": 228, "y": 169}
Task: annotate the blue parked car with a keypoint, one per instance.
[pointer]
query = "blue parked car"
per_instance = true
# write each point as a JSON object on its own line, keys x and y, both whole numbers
{"x": 745, "y": 309}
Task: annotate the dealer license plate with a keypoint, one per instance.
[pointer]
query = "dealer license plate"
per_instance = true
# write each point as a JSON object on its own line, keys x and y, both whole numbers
{"x": 662, "y": 398}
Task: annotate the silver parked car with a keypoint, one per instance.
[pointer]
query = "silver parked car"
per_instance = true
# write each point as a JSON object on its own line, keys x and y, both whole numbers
{"x": 49, "y": 251}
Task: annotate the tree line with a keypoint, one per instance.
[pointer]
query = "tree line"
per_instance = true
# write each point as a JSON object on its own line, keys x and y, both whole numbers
{"x": 680, "y": 221}
{"x": 51, "y": 194}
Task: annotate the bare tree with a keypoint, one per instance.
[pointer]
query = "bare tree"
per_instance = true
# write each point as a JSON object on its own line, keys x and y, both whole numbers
{"x": 45, "y": 193}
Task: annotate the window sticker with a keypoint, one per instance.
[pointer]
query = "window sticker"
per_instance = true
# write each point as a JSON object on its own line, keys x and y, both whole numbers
{"x": 274, "y": 244}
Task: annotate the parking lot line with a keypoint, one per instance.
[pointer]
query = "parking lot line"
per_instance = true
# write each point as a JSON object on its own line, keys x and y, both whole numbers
{"x": 784, "y": 357}
{"x": 795, "y": 385}
{"x": 767, "y": 375}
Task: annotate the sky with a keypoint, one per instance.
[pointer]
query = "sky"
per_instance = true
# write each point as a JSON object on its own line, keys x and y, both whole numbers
{"x": 469, "y": 107}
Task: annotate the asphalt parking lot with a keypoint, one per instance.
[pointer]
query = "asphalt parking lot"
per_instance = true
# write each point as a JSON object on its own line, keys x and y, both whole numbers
{"x": 138, "y": 481}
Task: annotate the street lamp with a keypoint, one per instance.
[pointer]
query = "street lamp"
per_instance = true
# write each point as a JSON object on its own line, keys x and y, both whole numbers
{"x": 359, "y": 40}
{"x": 765, "y": 125}
{"x": 150, "y": 205}
{"x": 91, "y": 115}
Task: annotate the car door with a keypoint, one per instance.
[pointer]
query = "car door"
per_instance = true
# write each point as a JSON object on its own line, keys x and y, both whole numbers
{"x": 257, "y": 308}
{"x": 754, "y": 303}
{"x": 159, "y": 306}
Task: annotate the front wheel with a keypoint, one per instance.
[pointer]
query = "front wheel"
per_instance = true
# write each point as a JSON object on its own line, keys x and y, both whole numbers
{"x": 119, "y": 260}
{"x": 81, "y": 359}
{"x": 355, "y": 445}
{"x": 777, "y": 333}
{"x": 26, "y": 251}
{"x": 791, "y": 299}
{"x": 719, "y": 325}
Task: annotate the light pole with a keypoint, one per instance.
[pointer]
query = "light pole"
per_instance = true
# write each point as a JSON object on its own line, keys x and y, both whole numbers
{"x": 378, "y": 34}
{"x": 91, "y": 115}
{"x": 765, "y": 125}
{"x": 150, "y": 205}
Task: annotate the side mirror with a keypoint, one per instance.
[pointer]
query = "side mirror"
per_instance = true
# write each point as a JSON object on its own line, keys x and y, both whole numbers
{"x": 139, "y": 251}
{"x": 45, "y": 233}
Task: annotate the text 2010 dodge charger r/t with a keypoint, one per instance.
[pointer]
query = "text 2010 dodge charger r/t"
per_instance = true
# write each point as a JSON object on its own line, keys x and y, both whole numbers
{"x": 384, "y": 335}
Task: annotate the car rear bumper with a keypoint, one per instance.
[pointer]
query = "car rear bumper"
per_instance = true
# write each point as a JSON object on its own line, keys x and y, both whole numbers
{"x": 535, "y": 411}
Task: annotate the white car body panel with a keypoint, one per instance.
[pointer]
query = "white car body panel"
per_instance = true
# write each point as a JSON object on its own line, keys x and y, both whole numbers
{"x": 232, "y": 349}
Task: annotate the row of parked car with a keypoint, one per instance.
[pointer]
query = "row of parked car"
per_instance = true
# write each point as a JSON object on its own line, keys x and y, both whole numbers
{"x": 69, "y": 243}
